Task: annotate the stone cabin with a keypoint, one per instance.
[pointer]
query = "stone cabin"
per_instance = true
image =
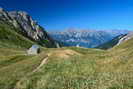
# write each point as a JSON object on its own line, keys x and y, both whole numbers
{"x": 34, "y": 50}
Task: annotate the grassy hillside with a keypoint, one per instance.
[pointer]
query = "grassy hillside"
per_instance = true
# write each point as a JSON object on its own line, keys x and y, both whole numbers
{"x": 10, "y": 38}
{"x": 15, "y": 64}
{"x": 69, "y": 68}
{"x": 66, "y": 68}
{"x": 92, "y": 69}
{"x": 14, "y": 61}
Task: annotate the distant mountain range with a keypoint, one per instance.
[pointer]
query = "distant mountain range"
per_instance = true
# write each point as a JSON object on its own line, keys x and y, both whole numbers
{"x": 86, "y": 38}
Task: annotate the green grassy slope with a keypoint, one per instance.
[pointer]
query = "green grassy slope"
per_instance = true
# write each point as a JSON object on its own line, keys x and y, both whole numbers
{"x": 15, "y": 64}
{"x": 66, "y": 68}
{"x": 10, "y": 38}
{"x": 94, "y": 69}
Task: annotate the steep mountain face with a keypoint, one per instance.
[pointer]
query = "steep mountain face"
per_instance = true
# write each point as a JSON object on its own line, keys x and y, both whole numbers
{"x": 111, "y": 43}
{"x": 9, "y": 38}
{"x": 125, "y": 38}
{"x": 86, "y": 38}
{"x": 116, "y": 41}
{"x": 26, "y": 26}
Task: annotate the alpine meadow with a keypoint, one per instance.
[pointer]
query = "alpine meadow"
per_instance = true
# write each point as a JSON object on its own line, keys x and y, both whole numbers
{"x": 32, "y": 57}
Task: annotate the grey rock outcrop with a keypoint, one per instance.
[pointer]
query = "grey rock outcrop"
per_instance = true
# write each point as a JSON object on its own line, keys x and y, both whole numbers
{"x": 27, "y": 26}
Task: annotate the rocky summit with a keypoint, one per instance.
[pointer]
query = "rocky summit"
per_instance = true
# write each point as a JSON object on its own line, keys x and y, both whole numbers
{"x": 26, "y": 26}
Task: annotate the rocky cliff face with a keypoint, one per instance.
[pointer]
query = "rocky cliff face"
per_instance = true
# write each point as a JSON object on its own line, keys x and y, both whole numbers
{"x": 27, "y": 26}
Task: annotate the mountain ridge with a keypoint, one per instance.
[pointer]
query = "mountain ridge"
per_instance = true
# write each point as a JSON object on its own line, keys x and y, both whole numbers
{"x": 27, "y": 27}
{"x": 116, "y": 41}
{"x": 86, "y": 38}
{"x": 111, "y": 43}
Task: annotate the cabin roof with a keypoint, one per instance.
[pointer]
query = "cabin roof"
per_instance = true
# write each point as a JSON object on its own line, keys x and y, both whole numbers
{"x": 35, "y": 46}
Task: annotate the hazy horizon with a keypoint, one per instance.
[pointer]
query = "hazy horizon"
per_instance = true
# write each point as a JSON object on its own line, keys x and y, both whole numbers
{"x": 77, "y": 29}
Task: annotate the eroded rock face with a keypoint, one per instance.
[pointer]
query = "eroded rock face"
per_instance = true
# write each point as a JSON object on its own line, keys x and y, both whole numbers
{"x": 27, "y": 26}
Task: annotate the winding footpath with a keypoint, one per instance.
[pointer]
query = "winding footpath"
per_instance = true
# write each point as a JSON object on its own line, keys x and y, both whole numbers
{"x": 41, "y": 64}
{"x": 44, "y": 61}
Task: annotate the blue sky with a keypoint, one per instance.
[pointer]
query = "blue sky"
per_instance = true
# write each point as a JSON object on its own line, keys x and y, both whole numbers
{"x": 81, "y": 14}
